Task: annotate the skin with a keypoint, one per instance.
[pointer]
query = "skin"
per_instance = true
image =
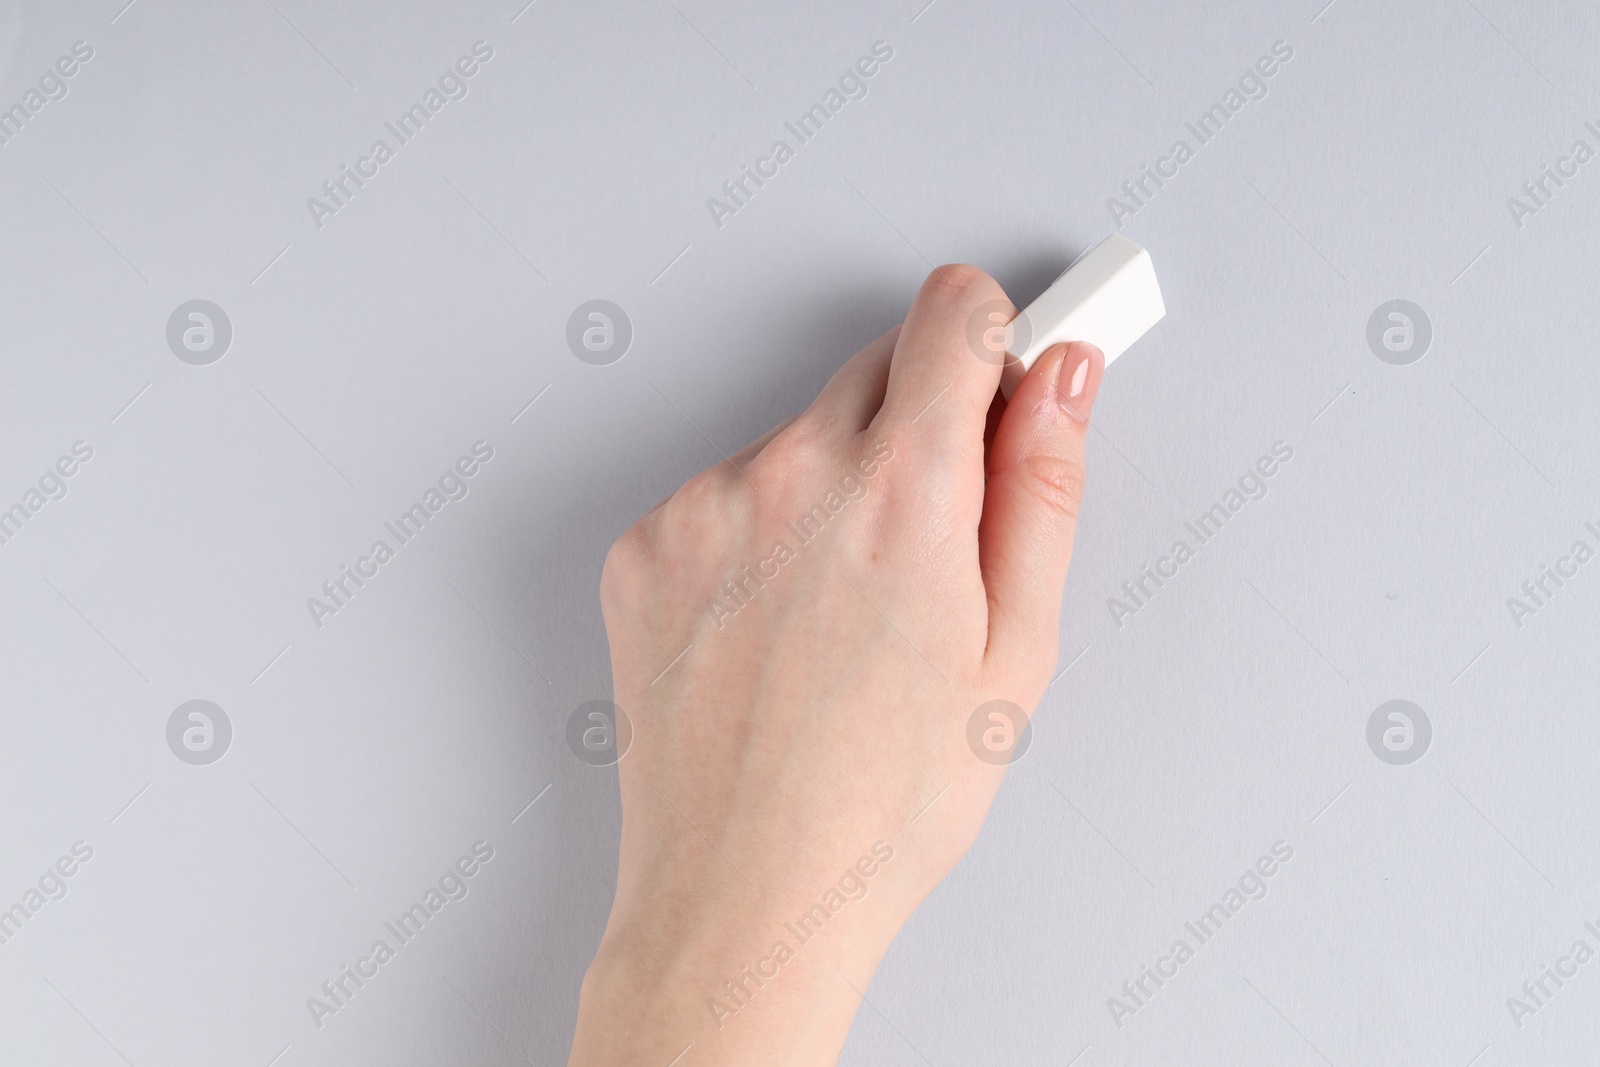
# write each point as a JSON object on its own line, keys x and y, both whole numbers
{"x": 824, "y": 722}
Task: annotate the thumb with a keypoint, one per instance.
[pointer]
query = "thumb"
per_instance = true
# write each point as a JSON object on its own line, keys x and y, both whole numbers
{"x": 1030, "y": 505}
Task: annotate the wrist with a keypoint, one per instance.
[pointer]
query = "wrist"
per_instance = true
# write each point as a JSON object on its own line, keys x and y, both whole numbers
{"x": 737, "y": 975}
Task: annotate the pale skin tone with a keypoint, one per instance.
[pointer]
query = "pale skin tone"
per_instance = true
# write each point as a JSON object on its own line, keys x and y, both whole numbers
{"x": 824, "y": 722}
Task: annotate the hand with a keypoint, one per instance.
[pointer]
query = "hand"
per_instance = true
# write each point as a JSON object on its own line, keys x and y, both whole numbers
{"x": 800, "y": 637}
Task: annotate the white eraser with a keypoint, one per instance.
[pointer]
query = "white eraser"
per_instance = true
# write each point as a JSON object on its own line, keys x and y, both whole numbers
{"x": 1108, "y": 297}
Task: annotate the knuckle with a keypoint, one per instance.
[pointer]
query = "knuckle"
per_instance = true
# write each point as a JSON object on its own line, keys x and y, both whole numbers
{"x": 695, "y": 497}
{"x": 1055, "y": 481}
{"x": 695, "y": 514}
{"x": 961, "y": 276}
{"x": 800, "y": 445}
{"x": 625, "y": 563}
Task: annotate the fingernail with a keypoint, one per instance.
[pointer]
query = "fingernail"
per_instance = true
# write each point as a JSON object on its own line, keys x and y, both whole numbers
{"x": 1079, "y": 379}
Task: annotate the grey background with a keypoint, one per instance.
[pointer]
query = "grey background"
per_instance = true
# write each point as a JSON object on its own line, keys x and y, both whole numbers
{"x": 368, "y": 354}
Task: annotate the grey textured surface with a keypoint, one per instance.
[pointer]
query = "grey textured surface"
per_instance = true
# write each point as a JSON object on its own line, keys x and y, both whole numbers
{"x": 368, "y": 353}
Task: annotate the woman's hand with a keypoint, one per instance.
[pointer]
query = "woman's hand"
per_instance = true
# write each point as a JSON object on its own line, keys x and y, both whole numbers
{"x": 803, "y": 638}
